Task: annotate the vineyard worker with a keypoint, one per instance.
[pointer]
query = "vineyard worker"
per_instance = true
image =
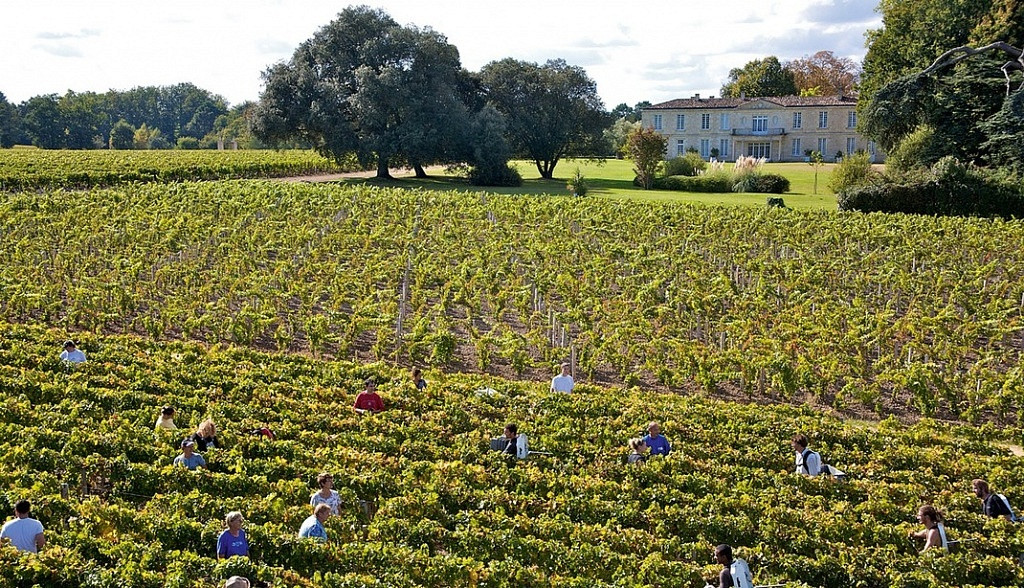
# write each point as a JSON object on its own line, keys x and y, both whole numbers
{"x": 205, "y": 435}
{"x": 656, "y": 441}
{"x": 563, "y": 382}
{"x": 509, "y": 443}
{"x": 313, "y": 526}
{"x": 237, "y": 582}
{"x": 166, "y": 419}
{"x": 807, "y": 462}
{"x": 368, "y": 400}
{"x": 326, "y": 495}
{"x": 232, "y": 541}
{"x": 639, "y": 450}
{"x": 994, "y": 505}
{"x": 417, "y": 379}
{"x": 23, "y": 531}
{"x": 71, "y": 353}
{"x": 735, "y": 572}
{"x": 934, "y": 533}
{"x": 188, "y": 457}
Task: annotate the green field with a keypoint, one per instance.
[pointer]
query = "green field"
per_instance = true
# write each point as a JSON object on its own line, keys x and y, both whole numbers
{"x": 613, "y": 178}
{"x": 448, "y": 512}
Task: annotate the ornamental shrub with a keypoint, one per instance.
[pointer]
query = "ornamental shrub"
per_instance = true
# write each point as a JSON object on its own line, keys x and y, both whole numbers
{"x": 495, "y": 175}
{"x": 854, "y": 170}
{"x": 690, "y": 164}
{"x": 762, "y": 183}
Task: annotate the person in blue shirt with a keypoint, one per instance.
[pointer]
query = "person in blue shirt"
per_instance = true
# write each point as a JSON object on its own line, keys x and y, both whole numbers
{"x": 656, "y": 441}
{"x": 232, "y": 541}
{"x": 188, "y": 457}
{"x": 313, "y": 527}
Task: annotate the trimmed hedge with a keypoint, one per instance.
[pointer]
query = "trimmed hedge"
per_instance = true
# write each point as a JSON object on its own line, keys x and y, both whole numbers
{"x": 950, "y": 188}
{"x": 712, "y": 183}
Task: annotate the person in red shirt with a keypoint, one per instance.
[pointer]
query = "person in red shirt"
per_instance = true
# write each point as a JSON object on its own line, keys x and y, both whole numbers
{"x": 368, "y": 400}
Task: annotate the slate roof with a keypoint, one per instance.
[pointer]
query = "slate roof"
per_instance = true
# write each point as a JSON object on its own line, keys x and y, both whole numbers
{"x": 785, "y": 101}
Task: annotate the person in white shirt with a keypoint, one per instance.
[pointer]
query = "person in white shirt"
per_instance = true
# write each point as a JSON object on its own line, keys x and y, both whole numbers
{"x": 807, "y": 461}
{"x": 24, "y": 532}
{"x": 563, "y": 382}
{"x": 327, "y": 495}
{"x": 166, "y": 419}
{"x": 71, "y": 353}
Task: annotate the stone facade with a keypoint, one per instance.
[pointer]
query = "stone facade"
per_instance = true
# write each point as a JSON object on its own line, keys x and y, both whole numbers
{"x": 780, "y": 128}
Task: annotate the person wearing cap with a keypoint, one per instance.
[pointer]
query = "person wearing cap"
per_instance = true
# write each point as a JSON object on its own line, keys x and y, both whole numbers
{"x": 189, "y": 458}
{"x": 656, "y": 441}
{"x": 368, "y": 400}
{"x": 237, "y": 582}
{"x": 232, "y": 541}
{"x": 71, "y": 353}
{"x": 23, "y": 531}
{"x": 563, "y": 382}
{"x": 313, "y": 526}
{"x": 166, "y": 419}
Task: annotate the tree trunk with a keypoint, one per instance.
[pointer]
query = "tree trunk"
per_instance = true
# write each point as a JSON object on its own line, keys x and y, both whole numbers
{"x": 547, "y": 168}
{"x": 382, "y": 168}
{"x": 420, "y": 173}
{"x": 540, "y": 168}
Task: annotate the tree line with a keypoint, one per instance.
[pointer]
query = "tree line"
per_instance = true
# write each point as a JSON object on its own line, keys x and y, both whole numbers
{"x": 151, "y": 117}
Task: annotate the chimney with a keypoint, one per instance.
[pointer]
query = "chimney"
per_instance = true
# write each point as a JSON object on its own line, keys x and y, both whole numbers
{"x": 696, "y": 96}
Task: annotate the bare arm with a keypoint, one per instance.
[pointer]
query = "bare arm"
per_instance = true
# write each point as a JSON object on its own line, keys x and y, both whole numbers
{"x": 932, "y": 539}
{"x": 40, "y": 541}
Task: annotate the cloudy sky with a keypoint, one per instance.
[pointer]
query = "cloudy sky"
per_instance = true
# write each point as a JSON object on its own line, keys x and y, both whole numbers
{"x": 655, "y": 50}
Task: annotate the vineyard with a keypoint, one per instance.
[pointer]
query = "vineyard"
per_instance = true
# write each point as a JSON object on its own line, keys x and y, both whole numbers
{"x": 877, "y": 312}
{"x": 31, "y": 169}
{"x": 448, "y": 512}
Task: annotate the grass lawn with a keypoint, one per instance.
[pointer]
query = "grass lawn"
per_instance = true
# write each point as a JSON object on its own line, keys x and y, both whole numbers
{"x": 614, "y": 179}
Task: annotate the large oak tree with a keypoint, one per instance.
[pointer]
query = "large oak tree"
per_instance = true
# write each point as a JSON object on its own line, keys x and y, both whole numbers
{"x": 365, "y": 84}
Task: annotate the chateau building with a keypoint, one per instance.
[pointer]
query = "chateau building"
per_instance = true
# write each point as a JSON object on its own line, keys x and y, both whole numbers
{"x": 781, "y": 128}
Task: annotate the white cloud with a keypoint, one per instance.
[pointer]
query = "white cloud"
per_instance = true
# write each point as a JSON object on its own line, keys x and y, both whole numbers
{"x": 656, "y": 51}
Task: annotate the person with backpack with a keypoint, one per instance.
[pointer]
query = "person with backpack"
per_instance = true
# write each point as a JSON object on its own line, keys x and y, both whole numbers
{"x": 807, "y": 462}
{"x": 511, "y": 443}
{"x": 934, "y": 533}
{"x": 735, "y": 572}
{"x": 994, "y": 505}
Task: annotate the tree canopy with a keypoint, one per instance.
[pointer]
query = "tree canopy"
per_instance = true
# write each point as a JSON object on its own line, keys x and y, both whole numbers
{"x": 84, "y": 120}
{"x": 932, "y": 77}
{"x": 365, "y": 84}
{"x": 824, "y": 74}
{"x": 10, "y": 122}
{"x": 553, "y": 110}
{"x": 760, "y": 77}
